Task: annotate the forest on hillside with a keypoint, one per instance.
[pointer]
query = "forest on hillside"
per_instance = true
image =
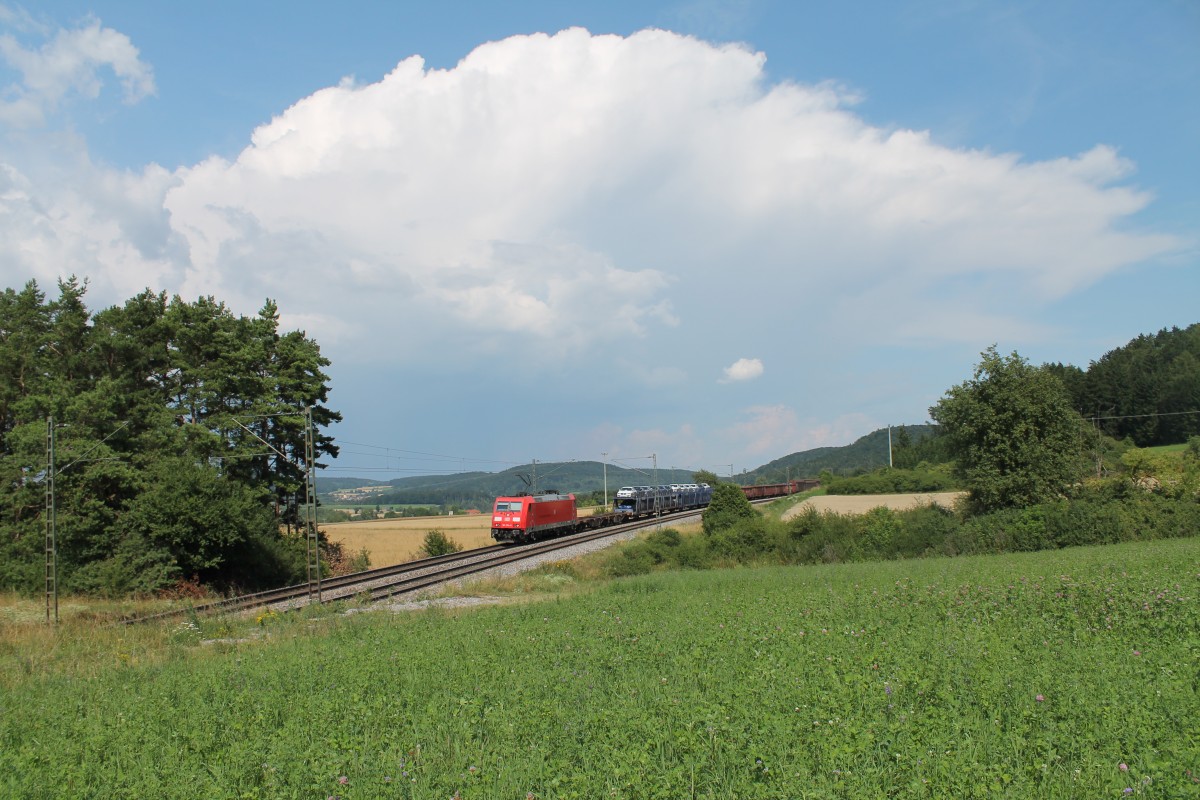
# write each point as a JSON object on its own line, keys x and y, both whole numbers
{"x": 177, "y": 431}
{"x": 1147, "y": 391}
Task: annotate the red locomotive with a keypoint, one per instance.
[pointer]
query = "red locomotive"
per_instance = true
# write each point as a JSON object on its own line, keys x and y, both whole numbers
{"x": 523, "y": 519}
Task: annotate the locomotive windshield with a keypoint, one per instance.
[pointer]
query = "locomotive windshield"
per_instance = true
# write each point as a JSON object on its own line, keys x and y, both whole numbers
{"x": 514, "y": 505}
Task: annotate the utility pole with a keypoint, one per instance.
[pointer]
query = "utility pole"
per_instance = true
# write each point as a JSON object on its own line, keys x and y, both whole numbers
{"x": 533, "y": 483}
{"x": 657, "y": 493}
{"x": 604, "y": 456}
{"x": 889, "y": 446}
{"x": 51, "y": 534}
{"x": 312, "y": 540}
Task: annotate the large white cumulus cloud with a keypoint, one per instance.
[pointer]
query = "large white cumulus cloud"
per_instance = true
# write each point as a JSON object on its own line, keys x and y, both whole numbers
{"x": 571, "y": 186}
{"x": 581, "y": 189}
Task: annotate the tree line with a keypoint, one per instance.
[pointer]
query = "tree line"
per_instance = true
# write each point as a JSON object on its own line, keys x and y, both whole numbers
{"x": 1147, "y": 391}
{"x": 179, "y": 439}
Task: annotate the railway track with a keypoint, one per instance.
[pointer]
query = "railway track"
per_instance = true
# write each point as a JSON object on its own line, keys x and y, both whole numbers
{"x": 386, "y": 582}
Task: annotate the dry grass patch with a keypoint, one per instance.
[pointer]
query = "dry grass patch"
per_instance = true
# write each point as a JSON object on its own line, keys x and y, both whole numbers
{"x": 862, "y": 503}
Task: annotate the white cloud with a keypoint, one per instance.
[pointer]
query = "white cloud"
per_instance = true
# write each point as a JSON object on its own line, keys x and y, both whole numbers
{"x": 569, "y": 187}
{"x": 578, "y": 192}
{"x": 641, "y": 448}
{"x": 744, "y": 369}
{"x": 764, "y": 430}
{"x": 70, "y": 63}
{"x": 844, "y": 429}
{"x": 69, "y": 216}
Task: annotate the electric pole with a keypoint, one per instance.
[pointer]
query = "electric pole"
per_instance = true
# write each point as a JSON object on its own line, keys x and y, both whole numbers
{"x": 51, "y": 534}
{"x": 311, "y": 537}
{"x": 604, "y": 456}
{"x": 657, "y": 492}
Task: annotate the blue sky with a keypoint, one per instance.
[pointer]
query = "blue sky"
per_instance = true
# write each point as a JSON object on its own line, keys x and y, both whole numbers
{"x": 717, "y": 232}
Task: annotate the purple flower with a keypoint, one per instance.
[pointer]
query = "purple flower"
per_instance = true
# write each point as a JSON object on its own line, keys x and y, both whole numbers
{"x": 1123, "y": 767}
{"x": 343, "y": 780}
{"x": 1040, "y": 699}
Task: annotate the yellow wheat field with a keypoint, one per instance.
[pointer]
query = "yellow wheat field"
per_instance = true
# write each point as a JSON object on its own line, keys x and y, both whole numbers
{"x": 394, "y": 541}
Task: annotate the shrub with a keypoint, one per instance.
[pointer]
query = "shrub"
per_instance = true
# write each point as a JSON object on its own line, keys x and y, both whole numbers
{"x": 745, "y": 541}
{"x": 924, "y": 531}
{"x": 694, "y": 553}
{"x": 889, "y": 481}
{"x": 665, "y": 537}
{"x": 438, "y": 544}
{"x": 727, "y": 508}
{"x": 636, "y": 558}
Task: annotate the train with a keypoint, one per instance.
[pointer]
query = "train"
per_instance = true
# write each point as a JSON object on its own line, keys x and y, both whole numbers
{"x": 520, "y": 519}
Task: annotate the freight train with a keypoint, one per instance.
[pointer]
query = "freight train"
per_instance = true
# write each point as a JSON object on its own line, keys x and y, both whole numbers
{"x": 526, "y": 518}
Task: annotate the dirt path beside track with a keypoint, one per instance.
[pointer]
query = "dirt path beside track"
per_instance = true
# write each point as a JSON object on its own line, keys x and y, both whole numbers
{"x": 862, "y": 503}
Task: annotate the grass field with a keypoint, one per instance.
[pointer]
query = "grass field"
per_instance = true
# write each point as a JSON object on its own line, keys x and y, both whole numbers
{"x": 1070, "y": 673}
{"x": 1168, "y": 448}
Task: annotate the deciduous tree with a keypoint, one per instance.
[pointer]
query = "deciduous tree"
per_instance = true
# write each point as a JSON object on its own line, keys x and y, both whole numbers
{"x": 1012, "y": 431}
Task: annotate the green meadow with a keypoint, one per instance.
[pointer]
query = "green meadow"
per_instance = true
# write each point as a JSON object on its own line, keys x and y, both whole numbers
{"x": 1072, "y": 673}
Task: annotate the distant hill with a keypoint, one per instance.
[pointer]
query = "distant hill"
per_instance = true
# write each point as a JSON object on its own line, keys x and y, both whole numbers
{"x": 327, "y": 485}
{"x": 479, "y": 489}
{"x": 866, "y": 453}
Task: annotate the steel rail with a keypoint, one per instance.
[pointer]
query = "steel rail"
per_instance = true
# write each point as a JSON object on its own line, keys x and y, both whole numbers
{"x": 299, "y": 590}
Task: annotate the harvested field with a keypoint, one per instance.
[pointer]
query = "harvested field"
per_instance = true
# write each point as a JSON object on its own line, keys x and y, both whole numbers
{"x": 862, "y": 503}
{"x": 394, "y": 541}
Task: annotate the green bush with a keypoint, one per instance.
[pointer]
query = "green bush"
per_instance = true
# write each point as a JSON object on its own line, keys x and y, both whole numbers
{"x": 635, "y": 558}
{"x": 664, "y": 538}
{"x": 744, "y": 542}
{"x": 136, "y": 567}
{"x": 894, "y": 481}
{"x": 728, "y": 508}
{"x": 694, "y": 553}
{"x": 924, "y": 531}
{"x": 816, "y": 538}
{"x": 438, "y": 544}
